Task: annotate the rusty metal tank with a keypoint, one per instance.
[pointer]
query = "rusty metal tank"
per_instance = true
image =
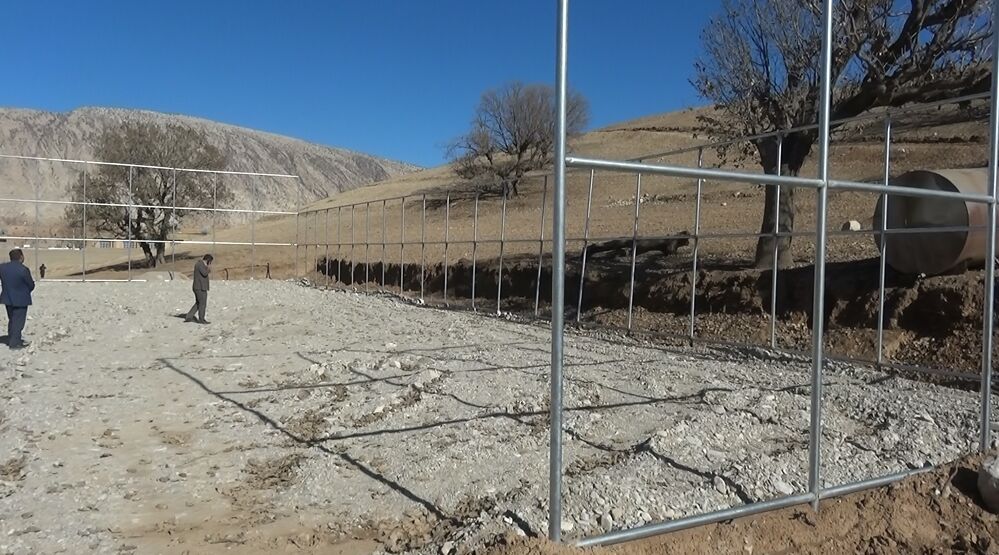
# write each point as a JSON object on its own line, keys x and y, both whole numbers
{"x": 934, "y": 253}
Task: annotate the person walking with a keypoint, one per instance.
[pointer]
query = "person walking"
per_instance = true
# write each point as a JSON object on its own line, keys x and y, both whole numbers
{"x": 16, "y": 286}
{"x": 202, "y": 270}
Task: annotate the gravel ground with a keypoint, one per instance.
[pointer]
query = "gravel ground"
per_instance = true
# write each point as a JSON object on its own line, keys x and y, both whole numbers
{"x": 320, "y": 421}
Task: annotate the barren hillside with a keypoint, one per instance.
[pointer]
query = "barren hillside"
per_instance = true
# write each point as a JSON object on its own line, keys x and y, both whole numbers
{"x": 324, "y": 170}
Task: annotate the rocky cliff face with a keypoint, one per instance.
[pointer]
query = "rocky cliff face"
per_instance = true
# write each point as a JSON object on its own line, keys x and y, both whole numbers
{"x": 324, "y": 170}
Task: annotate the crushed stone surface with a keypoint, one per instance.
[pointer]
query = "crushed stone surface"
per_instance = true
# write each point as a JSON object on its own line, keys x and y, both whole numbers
{"x": 312, "y": 418}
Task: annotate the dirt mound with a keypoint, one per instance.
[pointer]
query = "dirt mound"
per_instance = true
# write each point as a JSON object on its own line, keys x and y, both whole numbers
{"x": 934, "y": 513}
{"x": 928, "y": 321}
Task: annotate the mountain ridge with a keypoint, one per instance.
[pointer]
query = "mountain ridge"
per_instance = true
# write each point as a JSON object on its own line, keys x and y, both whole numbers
{"x": 324, "y": 170}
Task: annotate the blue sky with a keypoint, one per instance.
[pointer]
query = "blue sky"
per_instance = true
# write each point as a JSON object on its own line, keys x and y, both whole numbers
{"x": 393, "y": 78}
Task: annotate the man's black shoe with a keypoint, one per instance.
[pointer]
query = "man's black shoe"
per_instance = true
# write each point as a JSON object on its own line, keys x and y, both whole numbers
{"x": 203, "y": 321}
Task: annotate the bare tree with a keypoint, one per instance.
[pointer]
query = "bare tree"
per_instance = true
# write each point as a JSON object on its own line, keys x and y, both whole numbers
{"x": 513, "y": 133}
{"x": 151, "y": 220}
{"x": 760, "y": 68}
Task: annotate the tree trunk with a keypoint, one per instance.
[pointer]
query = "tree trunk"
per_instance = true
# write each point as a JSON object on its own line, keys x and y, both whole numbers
{"x": 146, "y": 250}
{"x": 160, "y": 254}
{"x": 779, "y": 211}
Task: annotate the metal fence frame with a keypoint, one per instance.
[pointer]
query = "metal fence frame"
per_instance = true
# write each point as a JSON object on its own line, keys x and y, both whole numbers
{"x": 174, "y": 208}
{"x": 822, "y": 184}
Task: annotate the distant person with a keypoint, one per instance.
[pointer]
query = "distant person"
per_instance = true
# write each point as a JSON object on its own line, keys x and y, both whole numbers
{"x": 202, "y": 269}
{"x": 16, "y": 286}
{"x": 41, "y": 270}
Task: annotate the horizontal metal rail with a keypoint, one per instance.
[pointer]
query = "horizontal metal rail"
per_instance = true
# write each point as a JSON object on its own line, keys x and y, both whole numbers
{"x": 862, "y": 117}
{"x": 696, "y": 520}
{"x": 743, "y": 511}
{"x": 89, "y": 280}
{"x": 895, "y": 190}
{"x": 146, "y": 166}
{"x": 766, "y": 179}
{"x": 149, "y": 206}
{"x": 151, "y": 241}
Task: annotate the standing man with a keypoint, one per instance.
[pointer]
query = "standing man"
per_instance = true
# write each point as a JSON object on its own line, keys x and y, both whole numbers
{"x": 16, "y": 286}
{"x": 202, "y": 269}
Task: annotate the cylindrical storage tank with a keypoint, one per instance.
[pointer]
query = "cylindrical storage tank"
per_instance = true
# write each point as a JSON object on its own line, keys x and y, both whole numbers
{"x": 929, "y": 252}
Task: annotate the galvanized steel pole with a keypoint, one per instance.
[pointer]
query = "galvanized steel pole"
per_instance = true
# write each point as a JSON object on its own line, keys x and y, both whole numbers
{"x": 298, "y": 217}
{"x": 884, "y": 245}
{"x": 253, "y": 233}
{"x": 447, "y": 225}
{"x": 402, "y": 245}
{"x": 423, "y": 245}
{"x": 174, "y": 222}
{"x": 215, "y": 207}
{"x": 383, "y": 246}
{"x": 367, "y": 246}
{"x": 37, "y": 235}
{"x": 634, "y": 249}
{"x": 985, "y": 437}
{"x": 818, "y": 288}
{"x": 499, "y": 274}
{"x": 697, "y": 245}
{"x": 586, "y": 244}
{"x": 776, "y": 253}
{"x": 353, "y": 246}
{"x": 326, "y": 257}
{"x": 558, "y": 279}
{"x": 83, "y": 247}
{"x": 475, "y": 244}
{"x": 541, "y": 247}
{"x": 129, "y": 219}
{"x": 339, "y": 245}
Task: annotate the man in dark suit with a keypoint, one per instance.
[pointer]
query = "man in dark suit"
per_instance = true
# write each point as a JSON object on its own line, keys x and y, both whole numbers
{"x": 16, "y": 286}
{"x": 202, "y": 269}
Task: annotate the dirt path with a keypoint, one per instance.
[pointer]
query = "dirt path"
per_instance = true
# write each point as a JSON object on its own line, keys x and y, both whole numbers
{"x": 310, "y": 421}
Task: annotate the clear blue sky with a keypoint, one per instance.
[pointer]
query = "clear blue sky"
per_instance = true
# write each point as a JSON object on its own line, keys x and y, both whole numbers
{"x": 393, "y": 78}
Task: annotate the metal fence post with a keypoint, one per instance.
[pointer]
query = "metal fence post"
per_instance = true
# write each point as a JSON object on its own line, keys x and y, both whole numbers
{"x": 775, "y": 269}
{"x": 298, "y": 217}
{"x": 697, "y": 246}
{"x": 634, "y": 249}
{"x": 253, "y": 231}
{"x": 367, "y": 246}
{"x": 447, "y": 222}
{"x": 339, "y": 245}
{"x": 423, "y": 245}
{"x": 353, "y": 245}
{"x": 383, "y": 246}
{"x": 541, "y": 247}
{"x": 37, "y": 222}
{"x": 83, "y": 249}
{"x": 586, "y": 244}
{"x": 326, "y": 257}
{"x": 818, "y": 288}
{"x": 499, "y": 273}
{"x": 215, "y": 207}
{"x": 174, "y": 222}
{"x": 402, "y": 246}
{"x": 558, "y": 281}
{"x": 129, "y": 233}
{"x": 985, "y": 437}
{"x": 882, "y": 270}
{"x": 475, "y": 244}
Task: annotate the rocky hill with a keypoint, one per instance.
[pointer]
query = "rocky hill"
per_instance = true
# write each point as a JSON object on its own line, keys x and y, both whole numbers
{"x": 73, "y": 135}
